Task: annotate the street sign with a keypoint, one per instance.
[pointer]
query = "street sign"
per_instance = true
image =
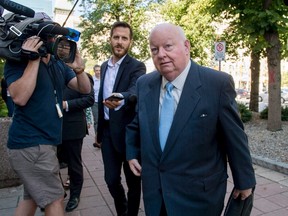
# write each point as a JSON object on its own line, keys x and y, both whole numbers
{"x": 220, "y": 48}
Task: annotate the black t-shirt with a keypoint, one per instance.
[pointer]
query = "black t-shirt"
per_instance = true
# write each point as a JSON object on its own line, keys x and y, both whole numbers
{"x": 38, "y": 122}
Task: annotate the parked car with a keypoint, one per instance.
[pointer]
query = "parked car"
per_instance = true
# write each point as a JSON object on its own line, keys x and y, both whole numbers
{"x": 284, "y": 89}
{"x": 242, "y": 94}
{"x": 263, "y": 97}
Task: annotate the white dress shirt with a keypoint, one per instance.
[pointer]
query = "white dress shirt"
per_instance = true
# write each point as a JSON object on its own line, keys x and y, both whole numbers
{"x": 96, "y": 87}
{"x": 178, "y": 84}
{"x": 109, "y": 81}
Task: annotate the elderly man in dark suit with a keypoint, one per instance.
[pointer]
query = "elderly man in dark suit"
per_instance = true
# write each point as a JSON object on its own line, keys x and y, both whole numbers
{"x": 73, "y": 132}
{"x": 182, "y": 157}
{"x": 118, "y": 78}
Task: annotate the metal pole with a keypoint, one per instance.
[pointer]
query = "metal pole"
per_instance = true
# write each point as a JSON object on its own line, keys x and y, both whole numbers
{"x": 70, "y": 13}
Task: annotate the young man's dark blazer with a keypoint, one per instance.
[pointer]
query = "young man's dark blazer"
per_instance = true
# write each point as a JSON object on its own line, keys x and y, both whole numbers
{"x": 113, "y": 145}
{"x": 129, "y": 71}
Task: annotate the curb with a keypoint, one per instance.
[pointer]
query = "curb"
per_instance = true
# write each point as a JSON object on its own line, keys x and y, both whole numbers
{"x": 270, "y": 164}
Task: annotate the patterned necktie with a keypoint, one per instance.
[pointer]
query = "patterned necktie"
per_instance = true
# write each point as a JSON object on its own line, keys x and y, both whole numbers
{"x": 166, "y": 115}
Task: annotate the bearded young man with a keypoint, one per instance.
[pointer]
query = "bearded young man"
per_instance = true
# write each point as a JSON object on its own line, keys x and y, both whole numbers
{"x": 119, "y": 75}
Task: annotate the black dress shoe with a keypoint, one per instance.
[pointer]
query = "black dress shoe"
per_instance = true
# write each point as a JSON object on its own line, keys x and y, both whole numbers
{"x": 72, "y": 204}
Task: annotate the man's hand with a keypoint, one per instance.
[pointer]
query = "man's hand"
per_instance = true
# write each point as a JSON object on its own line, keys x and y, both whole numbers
{"x": 135, "y": 167}
{"x": 111, "y": 104}
{"x": 30, "y": 48}
{"x": 242, "y": 193}
{"x": 32, "y": 44}
{"x": 78, "y": 65}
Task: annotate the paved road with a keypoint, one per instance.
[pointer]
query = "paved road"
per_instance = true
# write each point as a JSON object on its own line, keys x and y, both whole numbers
{"x": 262, "y": 105}
{"x": 271, "y": 194}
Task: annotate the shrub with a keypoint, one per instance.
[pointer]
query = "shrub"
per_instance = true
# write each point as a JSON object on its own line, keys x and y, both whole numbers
{"x": 245, "y": 113}
{"x": 3, "y": 109}
{"x": 264, "y": 113}
{"x": 284, "y": 113}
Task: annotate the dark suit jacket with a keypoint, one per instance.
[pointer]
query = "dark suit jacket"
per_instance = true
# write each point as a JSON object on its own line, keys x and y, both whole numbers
{"x": 74, "y": 121}
{"x": 191, "y": 173}
{"x": 125, "y": 83}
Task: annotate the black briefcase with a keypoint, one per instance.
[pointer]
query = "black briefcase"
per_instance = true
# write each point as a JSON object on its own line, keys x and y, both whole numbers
{"x": 238, "y": 207}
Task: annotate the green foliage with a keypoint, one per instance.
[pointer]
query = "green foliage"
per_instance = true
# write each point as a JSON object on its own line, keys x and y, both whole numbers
{"x": 260, "y": 26}
{"x": 264, "y": 113}
{"x": 249, "y": 20}
{"x": 101, "y": 14}
{"x": 245, "y": 113}
{"x": 284, "y": 113}
{"x": 1, "y": 68}
{"x": 192, "y": 16}
{"x": 3, "y": 108}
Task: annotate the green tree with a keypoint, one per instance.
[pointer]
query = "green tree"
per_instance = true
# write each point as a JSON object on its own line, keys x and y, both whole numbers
{"x": 192, "y": 16}
{"x": 1, "y": 67}
{"x": 260, "y": 26}
{"x": 101, "y": 14}
{"x": 203, "y": 27}
{"x": 3, "y": 109}
{"x": 241, "y": 33}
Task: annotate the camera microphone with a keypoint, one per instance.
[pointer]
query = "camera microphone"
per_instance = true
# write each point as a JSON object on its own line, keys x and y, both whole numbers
{"x": 50, "y": 28}
{"x": 17, "y": 8}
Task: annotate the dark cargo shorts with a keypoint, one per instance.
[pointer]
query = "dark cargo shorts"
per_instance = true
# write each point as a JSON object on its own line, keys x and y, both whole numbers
{"x": 38, "y": 169}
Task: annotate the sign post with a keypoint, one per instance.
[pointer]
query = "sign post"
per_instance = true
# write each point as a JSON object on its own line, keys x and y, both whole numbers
{"x": 220, "y": 48}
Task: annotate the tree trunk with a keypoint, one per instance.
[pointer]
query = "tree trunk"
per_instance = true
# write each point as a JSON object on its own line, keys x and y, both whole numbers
{"x": 274, "y": 80}
{"x": 255, "y": 71}
{"x": 274, "y": 76}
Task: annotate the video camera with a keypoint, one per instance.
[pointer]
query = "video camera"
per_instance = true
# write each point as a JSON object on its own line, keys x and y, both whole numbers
{"x": 23, "y": 23}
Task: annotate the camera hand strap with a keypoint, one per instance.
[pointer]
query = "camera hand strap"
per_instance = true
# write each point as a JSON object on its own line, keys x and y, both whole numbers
{"x": 52, "y": 77}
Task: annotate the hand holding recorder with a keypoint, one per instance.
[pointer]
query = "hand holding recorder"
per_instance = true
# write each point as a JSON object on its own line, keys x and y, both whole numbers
{"x": 113, "y": 101}
{"x": 115, "y": 97}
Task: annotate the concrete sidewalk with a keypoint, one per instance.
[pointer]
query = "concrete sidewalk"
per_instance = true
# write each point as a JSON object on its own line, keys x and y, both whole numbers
{"x": 271, "y": 194}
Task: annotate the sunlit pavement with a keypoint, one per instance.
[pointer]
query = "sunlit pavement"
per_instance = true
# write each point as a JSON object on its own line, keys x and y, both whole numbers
{"x": 271, "y": 194}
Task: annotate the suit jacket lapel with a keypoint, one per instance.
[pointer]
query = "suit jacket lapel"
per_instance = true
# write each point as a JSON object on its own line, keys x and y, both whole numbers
{"x": 152, "y": 107}
{"x": 188, "y": 101}
{"x": 103, "y": 70}
{"x": 120, "y": 72}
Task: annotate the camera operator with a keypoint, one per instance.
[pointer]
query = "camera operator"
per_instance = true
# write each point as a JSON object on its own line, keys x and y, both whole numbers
{"x": 36, "y": 87}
